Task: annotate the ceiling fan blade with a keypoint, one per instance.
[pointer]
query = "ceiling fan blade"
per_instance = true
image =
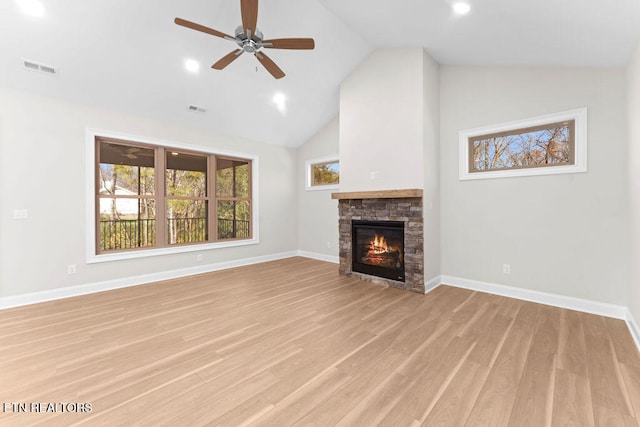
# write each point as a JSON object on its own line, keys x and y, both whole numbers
{"x": 289, "y": 44}
{"x": 270, "y": 65}
{"x": 249, "y": 10}
{"x": 227, "y": 59}
{"x": 201, "y": 28}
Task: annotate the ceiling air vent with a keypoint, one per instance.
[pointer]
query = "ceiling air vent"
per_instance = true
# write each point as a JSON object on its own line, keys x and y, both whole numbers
{"x": 196, "y": 109}
{"x": 41, "y": 68}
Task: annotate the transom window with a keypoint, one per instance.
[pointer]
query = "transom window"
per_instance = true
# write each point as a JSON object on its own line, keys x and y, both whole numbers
{"x": 550, "y": 144}
{"x": 323, "y": 174}
{"x": 539, "y": 146}
{"x": 154, "y": 196}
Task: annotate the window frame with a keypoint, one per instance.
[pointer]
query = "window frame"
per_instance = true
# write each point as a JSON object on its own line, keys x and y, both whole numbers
{"x": 579, "y": 149}
{"x": 166, "y": 151}
{"x": 308, "y": 166}
{"x": 94, "y": 256}
{"x": 216, "y": 198}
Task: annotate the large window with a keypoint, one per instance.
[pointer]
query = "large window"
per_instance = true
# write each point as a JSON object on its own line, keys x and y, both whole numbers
{"x": 543, "y": 145}
{"x": 157, "y": 197}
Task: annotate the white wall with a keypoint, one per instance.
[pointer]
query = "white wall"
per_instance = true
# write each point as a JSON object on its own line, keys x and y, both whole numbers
{"x": 633, "y": 98}
{"x": 564, "y": 234}
{"x": 381, "y": 117}
{"x": 317, "y": 212}
{"x": 431, "y": 166}
{"x": 42, "y": 164}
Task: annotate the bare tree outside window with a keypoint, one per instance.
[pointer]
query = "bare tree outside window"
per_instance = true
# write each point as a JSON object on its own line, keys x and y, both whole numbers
{"x": 551, "y": 144}
{"x": 540, "y": 146}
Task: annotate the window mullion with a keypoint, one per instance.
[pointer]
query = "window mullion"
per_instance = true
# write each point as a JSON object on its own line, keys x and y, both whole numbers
{"x": 213, "y": 200}
{"x": 161, "y": 203}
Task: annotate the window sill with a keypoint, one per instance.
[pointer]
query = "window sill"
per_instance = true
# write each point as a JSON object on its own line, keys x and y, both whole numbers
{"x": 145, "y": 253}
{"x": 323, "y": 187}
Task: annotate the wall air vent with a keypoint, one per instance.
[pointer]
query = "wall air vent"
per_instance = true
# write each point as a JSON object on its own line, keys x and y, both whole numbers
{"x": 196, "y": 109}
{"x": 41, "y": 68}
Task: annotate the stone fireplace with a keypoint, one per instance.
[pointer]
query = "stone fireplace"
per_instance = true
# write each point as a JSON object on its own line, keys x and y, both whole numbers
{"x": 381, "y": 237}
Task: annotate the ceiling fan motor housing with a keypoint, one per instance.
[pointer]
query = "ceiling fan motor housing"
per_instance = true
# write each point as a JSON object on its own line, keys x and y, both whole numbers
{"x": 249, "y": 44}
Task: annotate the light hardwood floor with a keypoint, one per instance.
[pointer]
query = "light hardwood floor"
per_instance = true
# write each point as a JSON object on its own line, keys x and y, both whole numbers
{"x": 292, "y": 343}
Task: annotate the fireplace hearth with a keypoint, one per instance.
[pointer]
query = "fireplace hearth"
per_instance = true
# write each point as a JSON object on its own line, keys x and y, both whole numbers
{"x": 378, "y": 248}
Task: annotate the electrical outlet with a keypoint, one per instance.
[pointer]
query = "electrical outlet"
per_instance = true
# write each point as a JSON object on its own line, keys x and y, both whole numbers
{"x": 328, "y": 244}
{"x": 71, "y": 269}
{"x": 506, "y": 268}
{"x": 374, "y": 175}
{"x": 199, "y": 257}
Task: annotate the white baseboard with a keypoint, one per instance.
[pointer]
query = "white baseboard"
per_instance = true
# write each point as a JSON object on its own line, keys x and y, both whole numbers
{"x": 571, "y": 303}
{"x": 72, "y": 291}
{"x": 320, "y": 257}
{"x": 432, "y": 284}
{"x": 634, "y": 328}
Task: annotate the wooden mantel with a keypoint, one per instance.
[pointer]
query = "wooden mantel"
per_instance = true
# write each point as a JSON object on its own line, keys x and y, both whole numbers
{"x": 383, "y": 194}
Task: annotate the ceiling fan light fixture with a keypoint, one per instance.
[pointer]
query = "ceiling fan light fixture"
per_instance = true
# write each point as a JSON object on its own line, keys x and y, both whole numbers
{"x": 281, "y": 102}
{"x": 461, "y": 8}
{"x": 192, "y": 65}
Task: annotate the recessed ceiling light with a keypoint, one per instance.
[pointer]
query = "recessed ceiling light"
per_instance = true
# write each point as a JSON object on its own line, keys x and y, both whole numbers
{"x": 461, "y": 8}
{"x": 281, "y": 102}
{"x": 31, "y": 7}
{"x": 192, "y": 65}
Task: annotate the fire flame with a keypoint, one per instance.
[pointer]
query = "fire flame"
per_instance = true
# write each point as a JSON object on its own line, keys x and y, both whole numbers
{"x": 378, "y": 245}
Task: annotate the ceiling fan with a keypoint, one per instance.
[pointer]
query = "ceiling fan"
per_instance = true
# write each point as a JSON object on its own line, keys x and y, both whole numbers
{"x": 249, "y": 39}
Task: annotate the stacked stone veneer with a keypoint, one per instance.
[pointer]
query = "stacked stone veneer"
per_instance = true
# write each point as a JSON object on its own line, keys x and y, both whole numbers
{"x": 407, "y": 210}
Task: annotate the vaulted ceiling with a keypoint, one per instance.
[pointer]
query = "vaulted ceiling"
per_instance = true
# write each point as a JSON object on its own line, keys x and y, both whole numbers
{"x": 129, "y": 55}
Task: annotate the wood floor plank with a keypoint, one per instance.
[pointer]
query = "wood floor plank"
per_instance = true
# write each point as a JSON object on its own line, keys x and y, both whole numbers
{"x": 429, "y": 383}
{"x": 631, "y": 377}
{"x": 495, "y": 402}
{"x": 374, "y": 406}
{"x": 291, "y": 341}
{"x": 572, "y": 403}
{"x": 572, "y": 347}
{"x": 301, "y": 399}
{"x": 347, "y": 397}
{"x": 607, "y": 388}
{"x": 533, "y": 405}
{"x": 457, "y": 400}
{"x": 623, "y": 345}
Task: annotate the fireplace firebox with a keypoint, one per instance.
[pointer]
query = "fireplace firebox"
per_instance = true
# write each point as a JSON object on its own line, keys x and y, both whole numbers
{"x": 378, "y": 248}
